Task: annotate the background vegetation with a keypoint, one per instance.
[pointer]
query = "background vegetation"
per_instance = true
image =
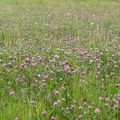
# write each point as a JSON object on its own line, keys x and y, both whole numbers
{"x": 59, "y": 59}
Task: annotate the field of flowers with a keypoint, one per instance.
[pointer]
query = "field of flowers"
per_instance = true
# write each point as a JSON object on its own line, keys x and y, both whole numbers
{"x": 59, "y": 60}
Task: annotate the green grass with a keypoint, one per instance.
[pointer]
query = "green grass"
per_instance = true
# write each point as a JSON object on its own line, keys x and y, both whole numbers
{"x": 85, "y": 33}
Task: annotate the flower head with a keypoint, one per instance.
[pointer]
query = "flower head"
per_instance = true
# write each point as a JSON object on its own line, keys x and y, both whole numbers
{"x": 97, "y": 110}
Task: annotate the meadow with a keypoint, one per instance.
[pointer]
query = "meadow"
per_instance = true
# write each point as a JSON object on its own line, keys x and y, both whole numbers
{"x": 59, "y": 59}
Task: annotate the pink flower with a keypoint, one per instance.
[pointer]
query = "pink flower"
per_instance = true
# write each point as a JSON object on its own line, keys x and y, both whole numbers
{"x": 84, "y": 102}
{"x": 68, "y": 69}
{"x": 21, "y": 66}
{"x": 115, "y": 106}
{"x": 107, "y": 99}
{"x": 40, "y": 59}
{"x": 45, "y": 77}
{"x": 53, "y": 118}
{"x": 100, "y": 98}
{"x": 63, "y": 99}
{"x": 49, "y": 95}
{"x": 118, "y": 98}
{"x": 16, "y": 118}
{"x": 56, "y": 92}
{"x": 97, "y": 110}
{"x": 27, "y": 60}
{"x": 55, "y": 104}
{"x": 63, "y": 88}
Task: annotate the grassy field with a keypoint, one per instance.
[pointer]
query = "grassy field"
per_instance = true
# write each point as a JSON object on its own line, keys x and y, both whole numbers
{"x": 59, "y": 59}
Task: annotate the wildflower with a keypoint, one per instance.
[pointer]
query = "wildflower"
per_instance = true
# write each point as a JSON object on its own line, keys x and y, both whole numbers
{"x": 46, "y": 66}
{"x": 116, "y": 66}
{"x": 115, "y": 106}
{"x": 107, "y": 99}
{"x": 5, "y": 65}
{"x": 12, "y": 93}
{"x": 56, "y": 92}
{"x": 16, "y": 118}
{"x": 68, "y": 69}
{"x": 53, "y": 118}
{"x": 63, "y": 88}
{"x": 49, "y": 95}
{"x": 100, "y": 98}
{"x": 33, "y": 64}
{"x": 27, "y": 60}
{"x": 64, "y": 63}
{"x": 23, "y": 78}
{"x": 84, "y": 102}
{"x": 118, "y": 98}
{"x": 43, "y": 81}
{"x": 90, "y": 61}
{"x": 44, "y": 85}
{"x": 45, "y": 77}
{"x": 97, "y": 110}
{"x": 40, "y": 59}
{"x": 39, "y": 75}
{"x": 21, "y": 66}
{"x": 63, "y": 99}
{"x": 55, "y": 104}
